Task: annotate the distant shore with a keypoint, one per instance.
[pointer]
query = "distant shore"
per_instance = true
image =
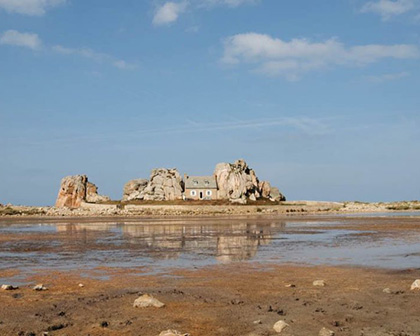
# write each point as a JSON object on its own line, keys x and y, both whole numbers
{"x": 156, "y": 209}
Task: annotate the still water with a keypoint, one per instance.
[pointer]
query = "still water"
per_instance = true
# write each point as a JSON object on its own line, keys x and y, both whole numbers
{"x": 160, "y": 244}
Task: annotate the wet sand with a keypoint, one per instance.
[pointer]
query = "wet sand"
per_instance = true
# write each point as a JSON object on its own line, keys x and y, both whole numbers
{"x": 240, "y": 282}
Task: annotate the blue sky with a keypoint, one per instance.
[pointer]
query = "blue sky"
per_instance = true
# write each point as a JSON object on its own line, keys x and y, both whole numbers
{"x": 320, "y": 97}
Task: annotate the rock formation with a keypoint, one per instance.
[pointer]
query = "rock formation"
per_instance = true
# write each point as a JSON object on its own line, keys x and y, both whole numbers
{"x": 239, "y": 183}
{"x": 236, "y": 182}
{"x": 77, "y": 189}
{"x": 92, "y": 195}
{"x": 164, "y": 185}
{"x": 276, "y": 195}
{"x": 133, "y": 189}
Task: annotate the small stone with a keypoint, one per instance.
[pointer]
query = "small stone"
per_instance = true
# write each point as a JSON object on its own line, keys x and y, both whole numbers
{"x": 279, "y": 326}
{"x": 81, "y": 285}
{"x": 9, "y": 287}
{"x": 146, "y": 300}
{"x": 172, "y": 333}
{"x": 257, "y": 322}
{"x": 104, "y": 324}
{"x": 326, "y": 332}
{"x": 40, "y": 287}
{"x": 387, "y": 291}
{"x": 415, "y": 285}
{"x": 319, "y": 283}
{"x": 290, "y": 286}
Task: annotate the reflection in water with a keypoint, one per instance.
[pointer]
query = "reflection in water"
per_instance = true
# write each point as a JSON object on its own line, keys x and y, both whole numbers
{"x": 162, "y": 244}
{"x": 234, "y": 242}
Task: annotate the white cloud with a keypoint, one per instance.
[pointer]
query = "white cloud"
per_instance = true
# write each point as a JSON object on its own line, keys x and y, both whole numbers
{"x": 29, "y": 7}
{"x": 389, "y": 8}
{"x": 169, "y": 13}
{"x": 275, "y": 57}
{"x": 387, "y": 77}
{"x": 15, "y": 38}
{"x": 95, "y": 56}
{"x": 230, "y": 3}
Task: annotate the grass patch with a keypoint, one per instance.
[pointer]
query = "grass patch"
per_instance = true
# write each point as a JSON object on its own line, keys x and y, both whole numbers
{"x": 259, "y": 202}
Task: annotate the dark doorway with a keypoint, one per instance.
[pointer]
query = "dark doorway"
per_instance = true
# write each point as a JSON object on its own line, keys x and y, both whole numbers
{"x": 201, "y": 195}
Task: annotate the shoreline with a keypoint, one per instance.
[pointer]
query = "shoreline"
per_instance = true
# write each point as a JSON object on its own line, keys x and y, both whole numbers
{"x": 290, "y": 208}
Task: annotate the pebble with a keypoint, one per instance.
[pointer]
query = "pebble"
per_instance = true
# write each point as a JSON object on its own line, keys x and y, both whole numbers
{"x": 326, "y": 332}
{"x": 279, "y": 326}
{"x": 319, "y": 283}
{"x": 415, "y": 285}
{"x": 81, "y": 285}
{"x": 172, "y": 333}
{"x": 40, "y": 287}
{"x": 290, "y": 286}
{"x": 257, "y": 322}
{"x": 146, "y": 300}
{"x": 387, "y": 291}
{"x": 9, "y": 287}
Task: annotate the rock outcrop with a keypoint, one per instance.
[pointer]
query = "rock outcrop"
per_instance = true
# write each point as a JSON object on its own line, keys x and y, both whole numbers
{"x": 164, "y": 185}
{"x": 77, "y": 189}
{"x": 92, "y": 195}
{"x": 133, "y": 189}
{"x": 239, "y": 183}
{"x": 236, "y": 182}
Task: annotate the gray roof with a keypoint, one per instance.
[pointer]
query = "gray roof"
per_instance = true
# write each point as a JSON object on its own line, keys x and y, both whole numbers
{"x": 200, "y": 182}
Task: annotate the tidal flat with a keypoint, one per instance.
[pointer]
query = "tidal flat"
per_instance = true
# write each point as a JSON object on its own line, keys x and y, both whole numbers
{"x": 216, "y": 276}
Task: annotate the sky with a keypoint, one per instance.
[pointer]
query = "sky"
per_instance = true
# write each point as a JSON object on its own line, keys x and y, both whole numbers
{"x": 321, "y": 98}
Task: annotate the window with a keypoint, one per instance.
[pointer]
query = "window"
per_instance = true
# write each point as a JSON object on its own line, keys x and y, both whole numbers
{"x": 208, "y": 193}
{"x": 195, "y": 182}
{"x": 206, "y": 183}
{"x": 193, "y": 193}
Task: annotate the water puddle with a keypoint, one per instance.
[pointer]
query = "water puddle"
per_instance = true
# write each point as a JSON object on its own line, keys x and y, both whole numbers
{"x": 159, "y": 245}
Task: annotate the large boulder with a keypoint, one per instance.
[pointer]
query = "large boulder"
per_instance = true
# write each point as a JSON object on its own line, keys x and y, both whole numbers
{"x": 133, "y": 189}
{"x": 265, "y": 188}
{"x": 77, "y": 189}
{"x": 236, "y": 182}
{"x": 276, "y": 195}
{"x": 164, "y": 185}
{"x": 239, "y": 183}
{"x": 92, "y": 195}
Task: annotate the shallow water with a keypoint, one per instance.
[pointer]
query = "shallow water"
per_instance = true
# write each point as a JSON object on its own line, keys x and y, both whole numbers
{"x": 161, "y": 244}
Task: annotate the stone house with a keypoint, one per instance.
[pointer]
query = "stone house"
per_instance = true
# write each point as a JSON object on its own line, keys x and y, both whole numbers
{"x": 200, "y": 188}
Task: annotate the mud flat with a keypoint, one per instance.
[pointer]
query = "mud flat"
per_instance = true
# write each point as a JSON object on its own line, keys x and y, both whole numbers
{"x": 226, "y": 276}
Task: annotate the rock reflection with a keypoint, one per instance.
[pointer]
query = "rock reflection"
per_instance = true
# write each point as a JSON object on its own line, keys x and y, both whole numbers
{"x": 226, "y": 242}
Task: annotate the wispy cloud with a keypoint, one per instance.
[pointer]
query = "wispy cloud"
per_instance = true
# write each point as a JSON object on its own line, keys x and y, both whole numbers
{"x": 95, "y": 56}
{"x": 299, "y": 125}
{"x": 29, "y": 7}
{"x": 389, "y": 8}
{"x": 387, "y": 77}
{"x": 15, "y": 38}
{"x": 170, "y": 11}
{"x": 291, "y": 59}
{"x": 34, "y": 42}
{"x": 229, "y": 3}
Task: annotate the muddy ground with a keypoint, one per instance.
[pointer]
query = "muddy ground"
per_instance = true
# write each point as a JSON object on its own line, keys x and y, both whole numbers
{"x": 219, "y": 300}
